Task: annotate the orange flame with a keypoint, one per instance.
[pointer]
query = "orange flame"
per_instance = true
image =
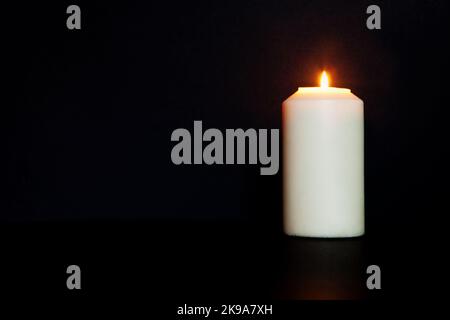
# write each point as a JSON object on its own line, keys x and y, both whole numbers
{"x": 324, "y": 80}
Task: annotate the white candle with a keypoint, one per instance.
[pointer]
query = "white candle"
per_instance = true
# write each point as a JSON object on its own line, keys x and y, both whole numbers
{"x": 323, "y": 162}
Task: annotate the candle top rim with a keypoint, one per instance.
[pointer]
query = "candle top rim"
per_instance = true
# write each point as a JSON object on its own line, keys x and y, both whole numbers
{"x": 325, "y": 90}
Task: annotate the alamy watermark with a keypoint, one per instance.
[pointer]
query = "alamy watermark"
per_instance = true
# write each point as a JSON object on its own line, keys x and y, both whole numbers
{"x": 374, "y": 279}
{"x": 74, "y": 20}
{"x": 74, "y": 279}
{"x": 231, "y": 148}
{"x": 374, "y": 20}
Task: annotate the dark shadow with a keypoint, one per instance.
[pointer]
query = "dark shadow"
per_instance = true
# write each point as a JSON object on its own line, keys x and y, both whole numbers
{"x": 322, "y": 269}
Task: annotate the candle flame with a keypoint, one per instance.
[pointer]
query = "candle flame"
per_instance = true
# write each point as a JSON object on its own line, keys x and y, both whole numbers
{"x": 324, "y": 80}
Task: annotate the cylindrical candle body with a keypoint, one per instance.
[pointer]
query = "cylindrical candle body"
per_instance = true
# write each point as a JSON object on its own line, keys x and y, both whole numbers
{"x": 323, "y": 163}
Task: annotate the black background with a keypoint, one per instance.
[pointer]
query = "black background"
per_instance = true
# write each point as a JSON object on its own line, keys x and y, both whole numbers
{"x": 89, "y": 179}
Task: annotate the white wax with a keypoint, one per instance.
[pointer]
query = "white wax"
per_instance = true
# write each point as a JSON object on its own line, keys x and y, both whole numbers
{"x": 323, "y": 163}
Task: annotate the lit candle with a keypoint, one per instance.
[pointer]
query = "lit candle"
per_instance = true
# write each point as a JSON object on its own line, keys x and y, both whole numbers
{"x": 323, "y": 162}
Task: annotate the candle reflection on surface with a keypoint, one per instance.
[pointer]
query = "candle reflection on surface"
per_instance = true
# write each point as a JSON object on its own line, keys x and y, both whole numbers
{"x": 323, "y": 269}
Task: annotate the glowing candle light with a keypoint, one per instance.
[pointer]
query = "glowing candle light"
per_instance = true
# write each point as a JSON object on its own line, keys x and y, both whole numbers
{"x": 323, "y": 162}
{"x": 324, "y": 80}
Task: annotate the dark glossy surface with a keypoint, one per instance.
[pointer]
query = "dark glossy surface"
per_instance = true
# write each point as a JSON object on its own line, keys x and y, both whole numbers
{"x": 206, "y": 262}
